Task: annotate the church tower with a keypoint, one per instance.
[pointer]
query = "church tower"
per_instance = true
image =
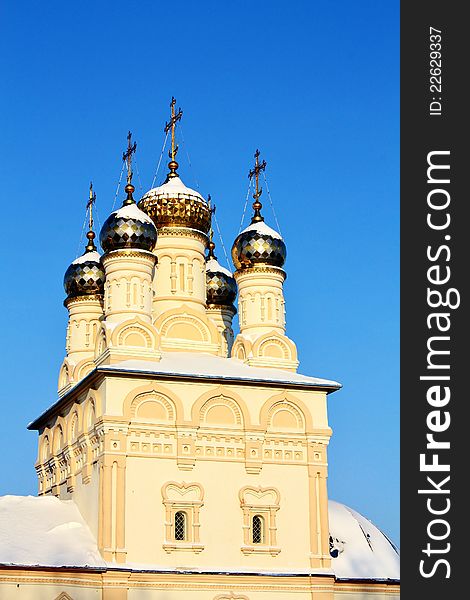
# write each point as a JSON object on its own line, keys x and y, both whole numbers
{"x": 183, "y": 449}
{"x": 84, "y": 286}
{"x": 259, "y": 254}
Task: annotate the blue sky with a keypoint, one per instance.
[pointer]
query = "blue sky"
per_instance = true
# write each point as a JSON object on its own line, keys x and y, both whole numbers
{"x": 315, "y": 86}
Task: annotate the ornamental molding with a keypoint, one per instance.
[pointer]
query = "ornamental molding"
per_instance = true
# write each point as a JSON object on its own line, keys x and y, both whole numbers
{"x": 181, "y": 231}
{"x": 128, "y": 253}
{"x": 84, "y": 298}
{"x": 260, "y": 268}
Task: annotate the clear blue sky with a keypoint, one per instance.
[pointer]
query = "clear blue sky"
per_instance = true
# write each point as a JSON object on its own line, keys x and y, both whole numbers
{"x": 314, "y": 85}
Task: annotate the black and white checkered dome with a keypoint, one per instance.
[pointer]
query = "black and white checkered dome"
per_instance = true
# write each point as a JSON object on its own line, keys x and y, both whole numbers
{"x": 85, "y": 276}
{"x": 221, "y": 288}
{"x": 258, "y": 244}
{"x": 128, "y": 227}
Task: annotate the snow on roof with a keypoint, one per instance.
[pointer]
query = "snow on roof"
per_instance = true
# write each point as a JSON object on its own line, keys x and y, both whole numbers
{"x": 207, "y": 365}
{"x": 49, "y": 532}
{"x": 213, "y": 265}
{"x": 45, "y": 531}
{"x": 262, "y": 228}
{"x": 173, "y": 188}
{"x": 132, "y": 211}
{"x": 363, "y": 551}
{"x": 88, "y": 256}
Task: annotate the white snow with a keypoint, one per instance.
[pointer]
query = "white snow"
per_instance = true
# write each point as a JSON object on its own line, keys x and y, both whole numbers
{"x": 88, "y": 256}
{"x": 207, "y": 365}
{"x": 132, "y": 211}
{"x": 174, "y": 187}
{"x": 49, "y": 532}
{"x": 364, "y": 551}
{"x": 263, "y": 229}
{"x": 45, "y": 531}
{"x": 213, "y": 265}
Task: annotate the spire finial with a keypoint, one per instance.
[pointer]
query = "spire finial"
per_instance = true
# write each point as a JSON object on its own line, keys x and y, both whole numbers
{"x": 90, "y": 247}
{"x": 171, "y": 126}
{"x": 258, "y": 190}
{"x": 127, "y": 158}
{"x": 210, "y": 244}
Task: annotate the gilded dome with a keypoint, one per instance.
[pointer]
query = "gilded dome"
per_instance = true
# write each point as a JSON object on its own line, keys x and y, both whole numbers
{"x": 128, "y": 227}
{"x": 85, "y": 276}
{"x": 175, "y": 205}
{"x": 221, "y": 288}
{"x": 258, "y": 244}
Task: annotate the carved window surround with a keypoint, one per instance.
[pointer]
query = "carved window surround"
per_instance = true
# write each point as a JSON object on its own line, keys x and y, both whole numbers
{"x": 187, "y": 498}
{"x": 262, "y": 502}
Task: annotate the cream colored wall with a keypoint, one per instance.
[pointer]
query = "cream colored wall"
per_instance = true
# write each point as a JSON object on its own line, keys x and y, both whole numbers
{"x": 221, "y": 516}
{"x": 86, "y": 497}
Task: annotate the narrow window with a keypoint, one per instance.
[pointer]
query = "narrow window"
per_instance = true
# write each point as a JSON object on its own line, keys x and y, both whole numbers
{"x": 180, "y": 526}
{"x": 257, "y": 529}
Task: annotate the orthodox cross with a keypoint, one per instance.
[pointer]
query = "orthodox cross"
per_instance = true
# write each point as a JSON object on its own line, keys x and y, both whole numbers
{"x": 90, "y": 247}
{"x": 255, "y": 172}
{"x": 89, "y": 206}
{"x": 127, "y": 156}
{"x": 211, "y": 245}
{"x": 171, "y": 125}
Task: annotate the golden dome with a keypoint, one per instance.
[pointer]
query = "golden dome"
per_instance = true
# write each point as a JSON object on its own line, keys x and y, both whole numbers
{"x": 175, "y": 205}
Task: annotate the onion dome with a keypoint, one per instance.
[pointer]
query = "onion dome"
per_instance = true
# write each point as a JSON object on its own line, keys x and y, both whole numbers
{"x": 128, "y": 227}
{"x": 85, "y": 276}
{"x": 220, "y": 284}
{"x": 175, "y": 205}
{"x": 258, "y": 243}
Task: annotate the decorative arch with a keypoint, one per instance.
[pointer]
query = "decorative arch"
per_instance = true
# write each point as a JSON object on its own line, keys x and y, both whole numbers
{"x": 74, "y": 424}
{"x": 274, "y": 346}
{"x": 154, "y": 406}
{"x": 100, "y": 342}
{"x": 172, "y": 491}
{"x": 91, "y": 410}
{"x": 181, "y": 326}
{"x": 63, "y": 596}
{"x": 64, "y": 375}
{"x": 257, "y": 496}
{"x": 297, "y": 415}
{"x": 58, "y": 436}
{"x": 45, "y": 446}
{"x": 158, "y": 399}
{"x": 184, "y": 326}
{"x": 135, "y": 333}
{"x": 220, "y": 407}
{"x": 82, "y": 369}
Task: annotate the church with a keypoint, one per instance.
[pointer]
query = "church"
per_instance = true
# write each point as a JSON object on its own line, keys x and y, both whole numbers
{"x": 181, "y": 458}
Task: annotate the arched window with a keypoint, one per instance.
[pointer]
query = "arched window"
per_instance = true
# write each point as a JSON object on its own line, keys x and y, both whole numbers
{"x": 257, "y": 529}
{"x": 180, "y": 526}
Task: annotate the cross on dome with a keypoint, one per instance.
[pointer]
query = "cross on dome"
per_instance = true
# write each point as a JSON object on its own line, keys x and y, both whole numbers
{"x": 258, "y": 190}
{"x": 171, "y": 126}
{"x": 127, "y": 158}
